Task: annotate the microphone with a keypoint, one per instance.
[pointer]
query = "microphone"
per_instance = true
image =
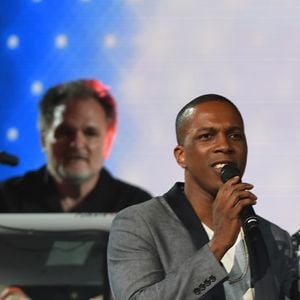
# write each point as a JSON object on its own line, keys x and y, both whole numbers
{"x": 8, "y": 159}
{"x": 248, "y": 216}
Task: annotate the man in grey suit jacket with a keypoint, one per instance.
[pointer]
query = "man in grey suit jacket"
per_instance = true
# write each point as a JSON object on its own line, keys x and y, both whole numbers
{"x": 192, "y": 243}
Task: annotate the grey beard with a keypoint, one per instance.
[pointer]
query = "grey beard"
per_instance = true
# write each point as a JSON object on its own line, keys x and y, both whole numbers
{"x": 74, "y": 178}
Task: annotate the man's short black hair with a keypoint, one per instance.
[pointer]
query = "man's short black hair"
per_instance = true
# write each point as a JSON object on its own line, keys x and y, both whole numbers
{"x": 73, "y": 91}
{"x": 182, "y": 115}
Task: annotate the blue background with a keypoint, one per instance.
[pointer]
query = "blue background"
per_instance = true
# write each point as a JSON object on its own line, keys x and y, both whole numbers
{"x": 44, "y": 43}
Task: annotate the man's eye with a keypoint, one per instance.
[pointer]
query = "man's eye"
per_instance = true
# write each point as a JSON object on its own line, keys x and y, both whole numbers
{"x": 63, "y": 132}
{"x": 236, "y": 136}
{"x": 91, "y": 132}
{"x": 205, "y": 136}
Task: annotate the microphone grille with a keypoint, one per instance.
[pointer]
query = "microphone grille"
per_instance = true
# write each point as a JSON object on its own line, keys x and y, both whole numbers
{"x": 229, "y": 171}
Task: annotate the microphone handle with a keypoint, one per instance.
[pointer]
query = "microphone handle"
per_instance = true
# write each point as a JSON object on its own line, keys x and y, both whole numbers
{"x": 249, "y": 218}
{"x": 247, "y": 215}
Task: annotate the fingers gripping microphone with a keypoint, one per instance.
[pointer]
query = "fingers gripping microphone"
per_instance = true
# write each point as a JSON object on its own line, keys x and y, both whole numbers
{"x": 248, "y": 216}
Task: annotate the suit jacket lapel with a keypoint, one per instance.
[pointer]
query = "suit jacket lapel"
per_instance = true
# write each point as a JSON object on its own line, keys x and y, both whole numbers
{"x": 261, "y": 272}
{"x": 184, "y": 211}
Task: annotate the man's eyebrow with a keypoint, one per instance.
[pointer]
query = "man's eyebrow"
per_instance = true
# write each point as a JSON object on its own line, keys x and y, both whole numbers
{"x": 205, "y": 128}
{"x": 211, "y": 128}
{"x": 236, "y": 128}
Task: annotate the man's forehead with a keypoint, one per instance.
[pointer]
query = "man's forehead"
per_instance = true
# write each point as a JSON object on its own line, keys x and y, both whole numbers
{"x": 215, "y": 108}
{"x": 217, "y": 112}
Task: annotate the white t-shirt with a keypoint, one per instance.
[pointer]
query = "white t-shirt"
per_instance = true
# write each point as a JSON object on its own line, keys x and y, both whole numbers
{"x": 236, "y": 263}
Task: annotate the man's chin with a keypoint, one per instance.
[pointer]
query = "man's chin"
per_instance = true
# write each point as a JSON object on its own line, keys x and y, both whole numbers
{"x": 76, "y": 177}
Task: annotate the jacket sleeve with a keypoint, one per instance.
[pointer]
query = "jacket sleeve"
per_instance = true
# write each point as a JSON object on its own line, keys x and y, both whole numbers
{"x": 283, "y": 260}
{"x": 136, "y": 270}
{"x": 289, "y": 276}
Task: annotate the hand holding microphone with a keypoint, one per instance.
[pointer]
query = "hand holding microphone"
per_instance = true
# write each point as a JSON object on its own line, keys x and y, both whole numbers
{"x": 248, "y": 216}
{"x": 228, "y": 212}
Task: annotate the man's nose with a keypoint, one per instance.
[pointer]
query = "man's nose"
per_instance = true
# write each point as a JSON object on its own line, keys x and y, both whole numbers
{"x": 223, "y": 143}
{"x": 78, "y": 140}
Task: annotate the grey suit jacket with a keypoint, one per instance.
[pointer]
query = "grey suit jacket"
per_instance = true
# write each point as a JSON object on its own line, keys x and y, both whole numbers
{"x": 153, "y": 254}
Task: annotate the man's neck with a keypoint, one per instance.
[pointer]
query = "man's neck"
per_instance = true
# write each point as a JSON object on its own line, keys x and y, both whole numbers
{"x": 72, "y": 194}
{"x": 201, "y": 202}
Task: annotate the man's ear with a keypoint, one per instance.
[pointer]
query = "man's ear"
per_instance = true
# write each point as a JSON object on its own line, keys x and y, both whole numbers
{"x": 180, "y": 155}
{"x": 108, "y": 142}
